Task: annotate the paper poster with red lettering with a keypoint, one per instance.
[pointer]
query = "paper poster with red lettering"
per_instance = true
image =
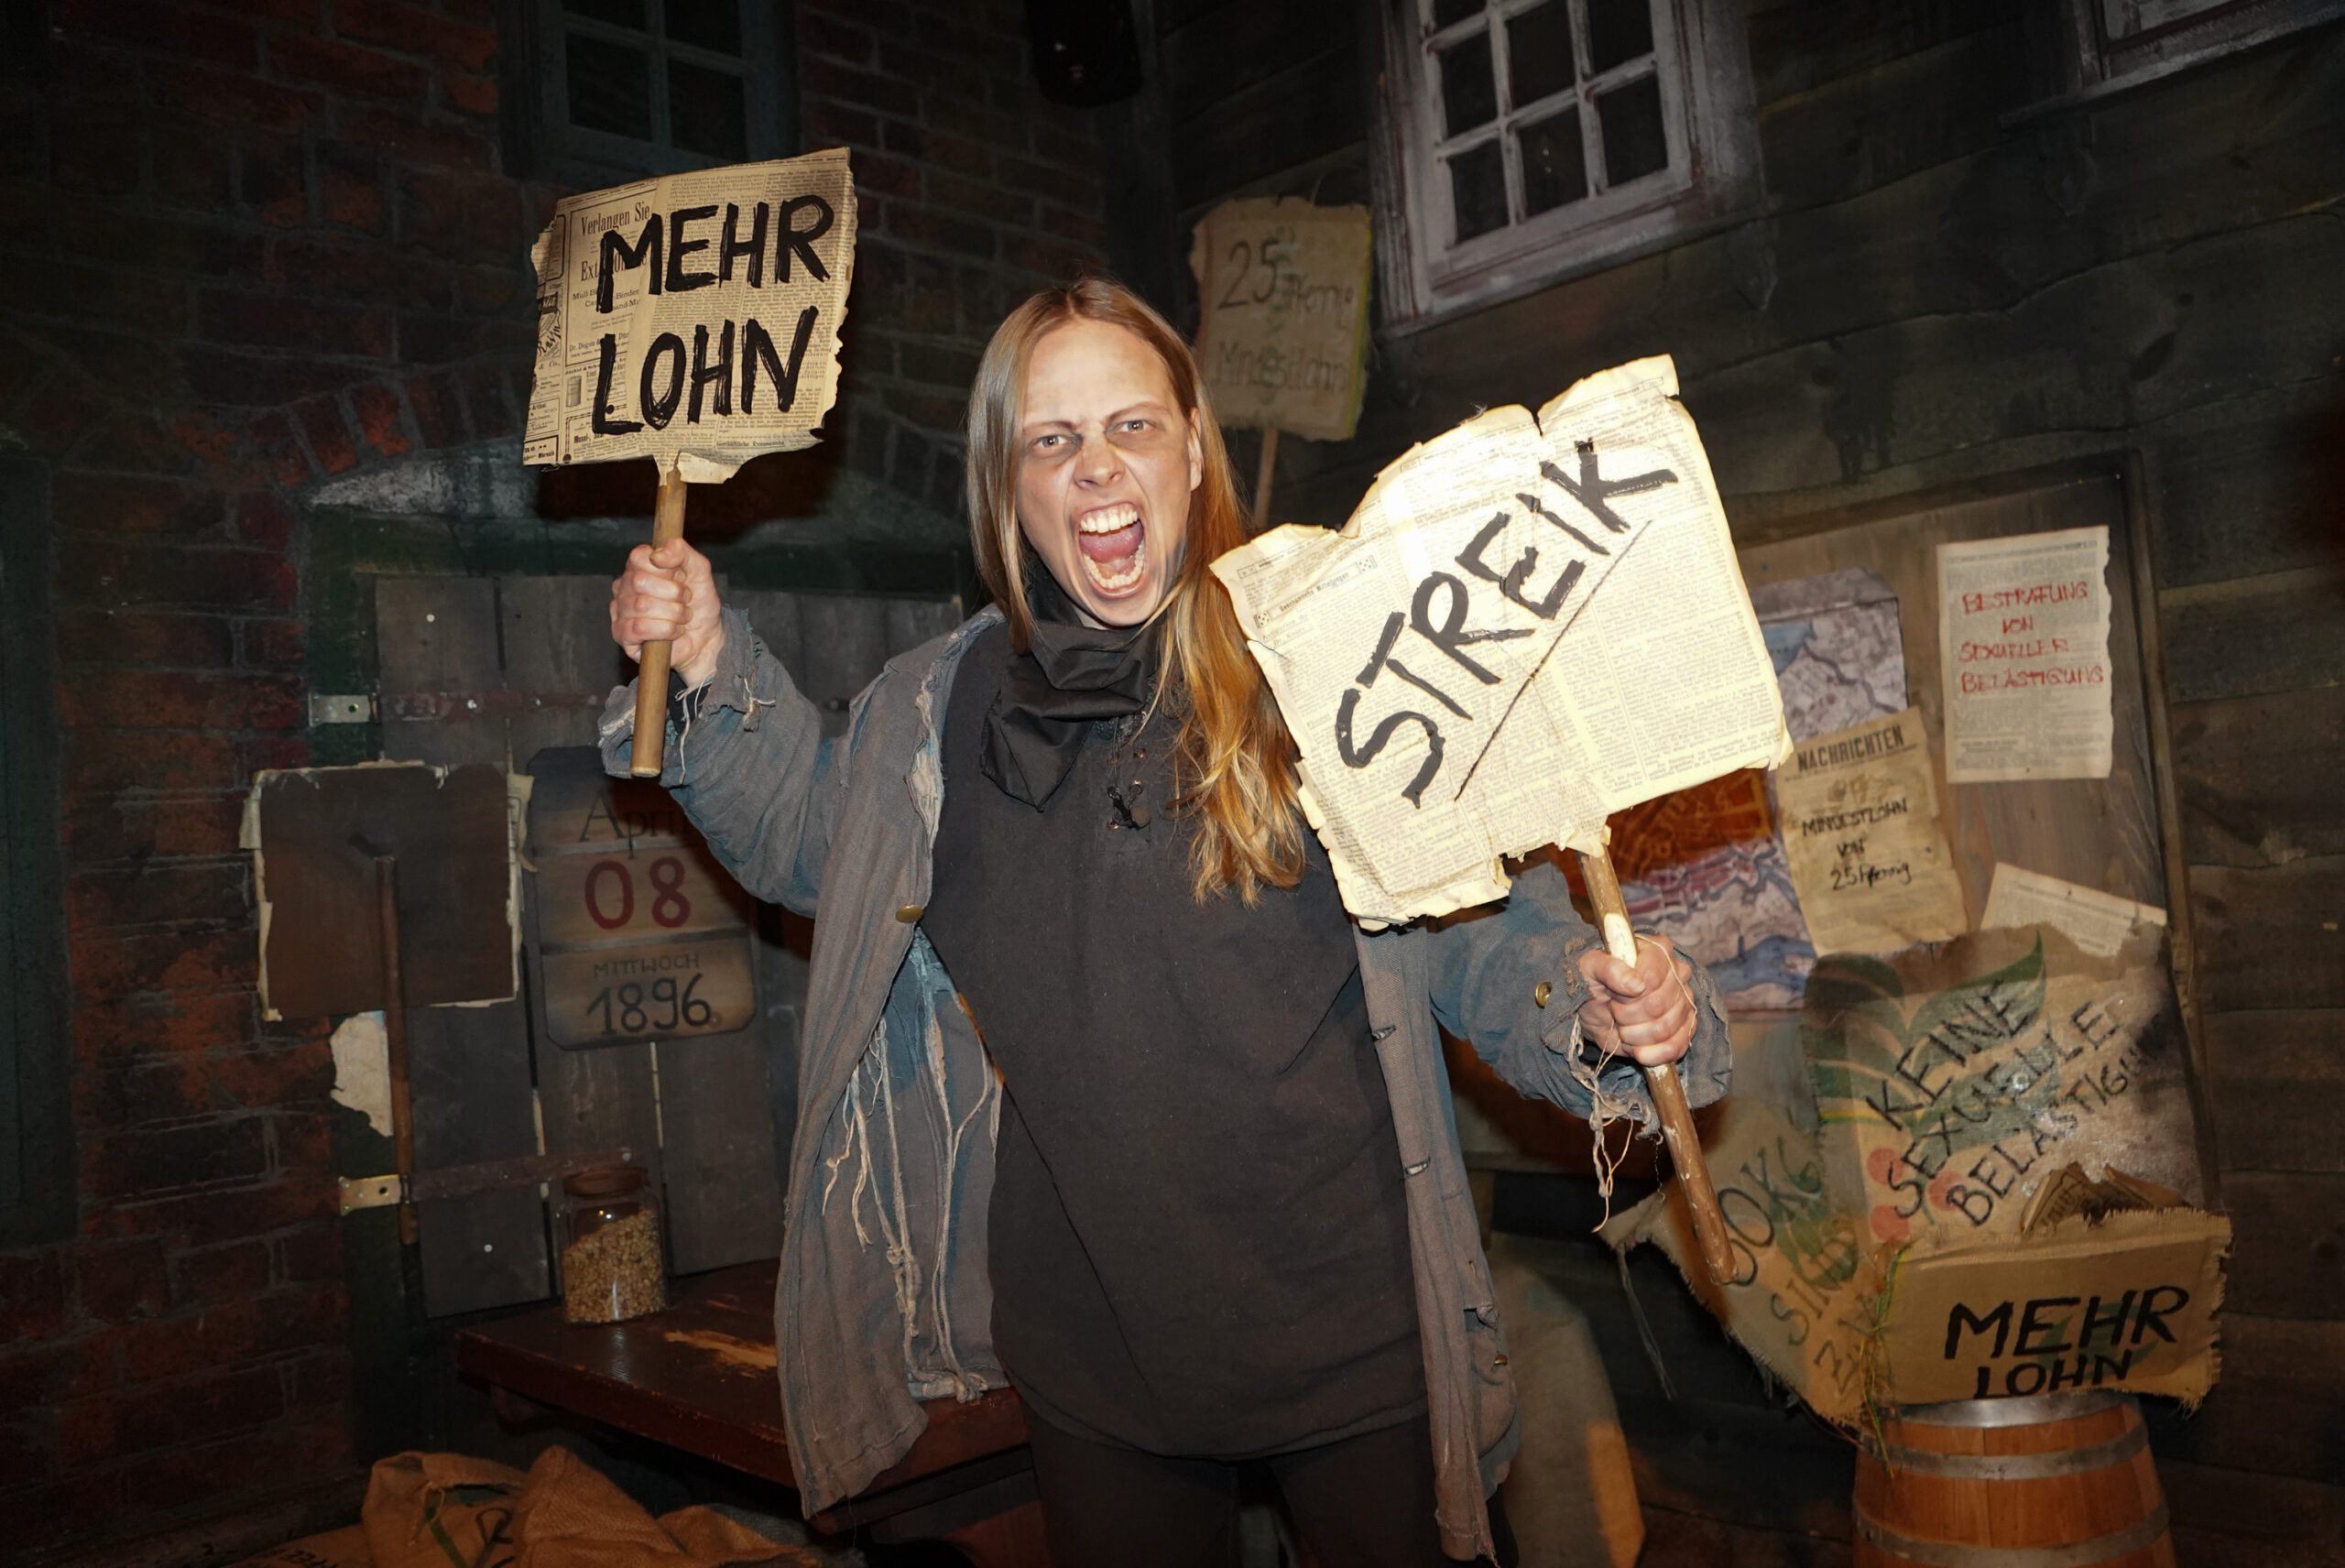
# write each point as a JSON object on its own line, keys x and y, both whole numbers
{"x": 2023, "y": 649}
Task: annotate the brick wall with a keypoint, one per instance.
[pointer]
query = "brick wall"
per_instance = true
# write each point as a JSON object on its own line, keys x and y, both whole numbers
{"x": 974, "y": 192}
{"x": 256, "y": 245}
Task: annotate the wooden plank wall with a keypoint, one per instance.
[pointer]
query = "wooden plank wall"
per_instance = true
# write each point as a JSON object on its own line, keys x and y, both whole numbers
{"x": 1933, "y": 298}
{"x": 723, "y": 1104}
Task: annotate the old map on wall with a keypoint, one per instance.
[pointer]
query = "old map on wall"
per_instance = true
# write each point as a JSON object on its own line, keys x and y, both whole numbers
{"x": 1705, "y": 867}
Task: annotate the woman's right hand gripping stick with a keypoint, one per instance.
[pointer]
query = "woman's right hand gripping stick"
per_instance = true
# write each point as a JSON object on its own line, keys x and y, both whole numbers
{"x": 669, "y": 593}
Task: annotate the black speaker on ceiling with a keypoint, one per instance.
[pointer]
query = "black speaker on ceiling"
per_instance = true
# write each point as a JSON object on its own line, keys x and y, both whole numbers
{"x": 1086, "y": 51}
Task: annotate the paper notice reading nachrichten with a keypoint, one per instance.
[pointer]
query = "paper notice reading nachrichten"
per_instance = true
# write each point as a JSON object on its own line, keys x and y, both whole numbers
{"x": 1528, "y": 624}
{"x": 1284, "y": 286}
{"x": 1860, "y": 821}
{"x": 693, "y": 319}
{"x": 2098, "y": 922}
{"x": 2024, "y": 648}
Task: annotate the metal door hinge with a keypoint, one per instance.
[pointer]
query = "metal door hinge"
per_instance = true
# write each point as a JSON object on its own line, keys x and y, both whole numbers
{"x": 370, "y": 1192}
{"x": 340, "y": 708}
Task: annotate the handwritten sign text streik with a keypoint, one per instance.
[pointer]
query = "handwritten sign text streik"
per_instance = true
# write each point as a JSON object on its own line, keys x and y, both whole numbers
{"x": 1471, "y": 668}
{"x": 1578, "y": 508}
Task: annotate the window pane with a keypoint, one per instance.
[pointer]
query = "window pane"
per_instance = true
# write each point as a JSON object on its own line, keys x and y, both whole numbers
{"x": 1634, "y": 142}
{"x": 706, "y": 111}
{"x": 1539, "y": 52}
{"x": 1555, "y": 168}
{"x": 1444, "y": 12}
{"x": 610, "y": 87}
{"x": 619, "y": 13}
{"x": 1618, "y": 32}
{"x": 709, "y": 24}
{"x": 1477, "y": 189}
{"x": 1469, "y": 93}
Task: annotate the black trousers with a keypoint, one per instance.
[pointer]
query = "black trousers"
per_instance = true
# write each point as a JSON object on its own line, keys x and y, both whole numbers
{"x": 1364, "y": 1502}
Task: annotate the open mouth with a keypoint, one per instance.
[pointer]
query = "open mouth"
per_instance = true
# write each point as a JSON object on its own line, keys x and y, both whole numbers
{"x": 1113, "y": 541}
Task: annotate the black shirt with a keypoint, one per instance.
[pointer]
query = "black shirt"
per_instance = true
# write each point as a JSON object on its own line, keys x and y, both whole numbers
{"x": 1198, "y": 1244}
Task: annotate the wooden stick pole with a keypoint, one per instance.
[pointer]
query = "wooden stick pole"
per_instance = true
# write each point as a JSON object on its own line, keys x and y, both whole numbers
{"x": 387, "y": 936}
{"x": 1668, "y": 1093}
{"x": 1263, "y": 475}
{"x": 650, "y": 745}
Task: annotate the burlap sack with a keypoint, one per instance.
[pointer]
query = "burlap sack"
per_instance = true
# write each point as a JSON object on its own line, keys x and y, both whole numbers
{"x": 445, "y": 1511}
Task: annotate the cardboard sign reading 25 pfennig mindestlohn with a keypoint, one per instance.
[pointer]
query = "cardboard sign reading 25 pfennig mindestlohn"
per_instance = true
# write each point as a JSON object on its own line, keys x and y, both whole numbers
{"x": 693, "y": 319}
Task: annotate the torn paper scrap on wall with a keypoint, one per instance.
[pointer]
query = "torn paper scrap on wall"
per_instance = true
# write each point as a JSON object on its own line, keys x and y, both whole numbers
{"x": 2098, "y": 922}
{"x": 2024, "y": 656}
{"x": 1860, "y": 822}
{"x": 362, "y": 1074}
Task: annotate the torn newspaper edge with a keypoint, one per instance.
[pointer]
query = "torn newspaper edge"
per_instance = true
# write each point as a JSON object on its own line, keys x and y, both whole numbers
{"x": 693, "y": 319}
{"x": 2098, "y": 922}
{"x": 1527, "y": 625}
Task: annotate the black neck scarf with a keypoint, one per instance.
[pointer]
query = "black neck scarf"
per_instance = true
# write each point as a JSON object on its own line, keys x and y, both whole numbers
{"x": 1070, "y": 676}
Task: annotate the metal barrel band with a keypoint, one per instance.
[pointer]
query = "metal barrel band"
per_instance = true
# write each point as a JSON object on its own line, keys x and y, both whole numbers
{"x": 1907, "y": 1461}
{"x": 1963, "y": 1554}
{"x": 2033, "y": 1409}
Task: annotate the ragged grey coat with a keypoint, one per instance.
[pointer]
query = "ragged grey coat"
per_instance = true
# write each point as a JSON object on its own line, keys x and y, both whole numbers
{"x": 882, "y": 1300}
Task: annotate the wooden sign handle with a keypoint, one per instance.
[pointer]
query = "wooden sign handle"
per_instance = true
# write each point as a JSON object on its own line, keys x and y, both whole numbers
{"x": 1668, "y": 1093}
{"x": 1263, "y": 475}
{"x": 395, "y": 1057}
{"x": 650, "y": 745}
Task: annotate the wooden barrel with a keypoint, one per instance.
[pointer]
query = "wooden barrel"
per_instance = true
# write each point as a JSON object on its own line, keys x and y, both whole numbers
{"x": 2055, "y": 1481}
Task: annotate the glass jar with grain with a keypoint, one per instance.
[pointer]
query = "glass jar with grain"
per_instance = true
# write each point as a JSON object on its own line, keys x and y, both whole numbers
{"x": 612, "y": 1265}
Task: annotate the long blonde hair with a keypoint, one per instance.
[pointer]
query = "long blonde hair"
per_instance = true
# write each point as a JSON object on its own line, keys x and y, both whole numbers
{"x": 1234, "y": 760}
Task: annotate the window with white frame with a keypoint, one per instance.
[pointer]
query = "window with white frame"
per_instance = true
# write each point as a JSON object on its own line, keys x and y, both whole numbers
{"x": 652, "y": 86}
{"x": 2107, "y": 46}
{"x": 1534, "y": 137}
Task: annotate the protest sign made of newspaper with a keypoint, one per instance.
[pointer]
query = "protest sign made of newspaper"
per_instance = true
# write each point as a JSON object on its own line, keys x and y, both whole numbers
{"x": 693, "y": 319}
{"x": 1528, "y": 624}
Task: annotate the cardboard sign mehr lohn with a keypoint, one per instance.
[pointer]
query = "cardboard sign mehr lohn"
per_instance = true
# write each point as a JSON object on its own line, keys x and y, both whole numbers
{"x": 693, "y": 320}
